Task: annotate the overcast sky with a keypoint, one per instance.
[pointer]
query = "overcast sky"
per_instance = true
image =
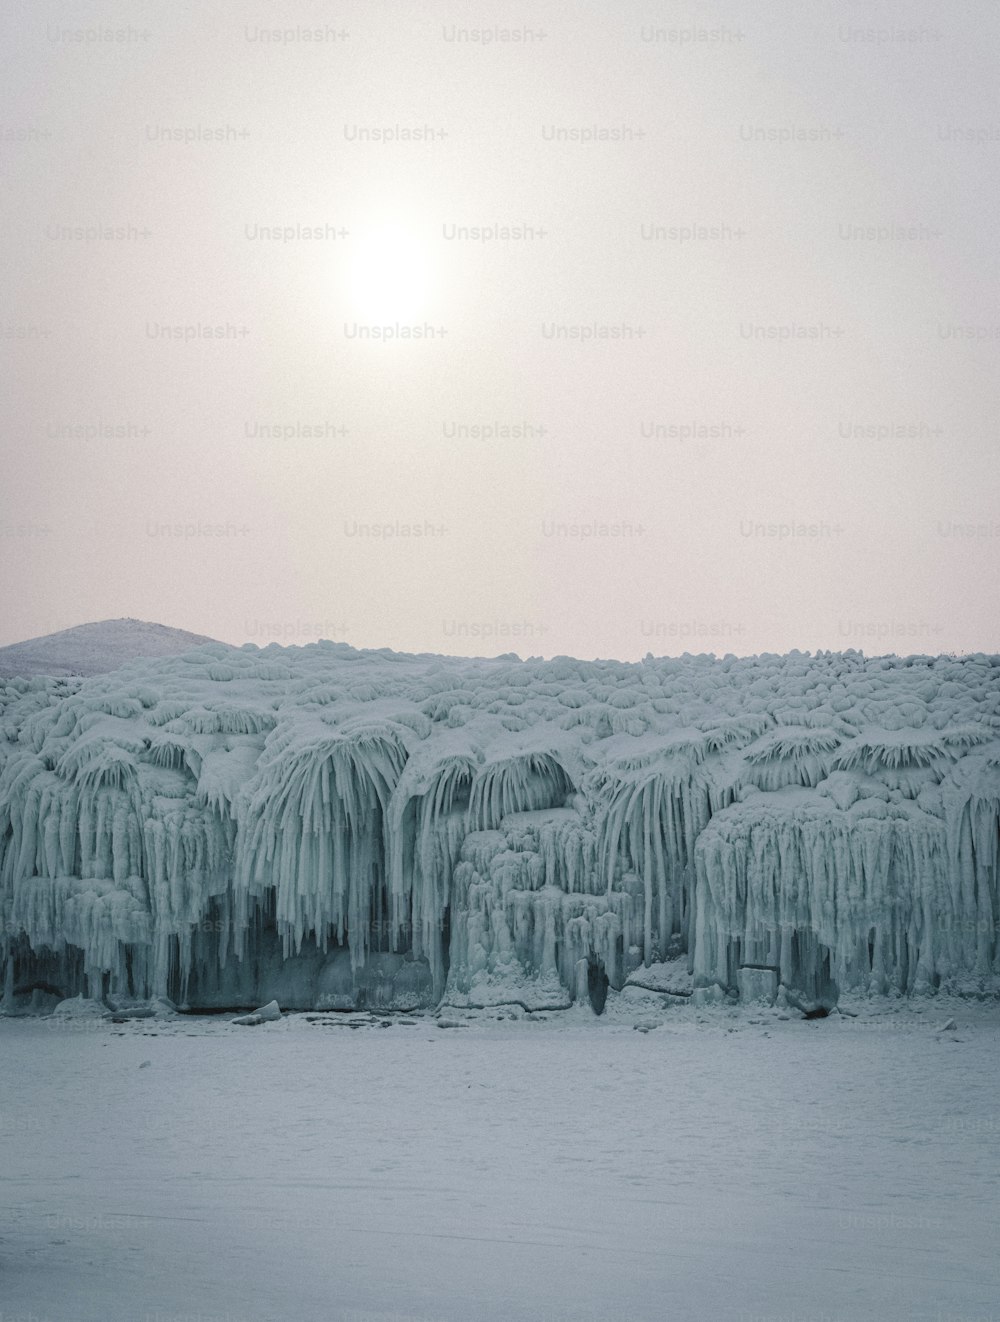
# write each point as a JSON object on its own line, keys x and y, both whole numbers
{"x": 737, "y": 344}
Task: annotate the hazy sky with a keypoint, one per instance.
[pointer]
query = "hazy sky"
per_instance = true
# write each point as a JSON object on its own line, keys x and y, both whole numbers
{"x": 742, "y": 329}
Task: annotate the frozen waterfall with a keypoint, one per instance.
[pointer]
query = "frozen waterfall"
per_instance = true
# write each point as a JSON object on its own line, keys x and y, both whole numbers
{"x": 337, "y": 828}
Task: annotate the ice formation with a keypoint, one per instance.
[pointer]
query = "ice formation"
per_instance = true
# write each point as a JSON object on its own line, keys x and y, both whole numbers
{"x": 332, "y": 828}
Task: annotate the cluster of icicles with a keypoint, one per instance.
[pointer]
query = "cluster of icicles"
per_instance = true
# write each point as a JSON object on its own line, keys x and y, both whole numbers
{"x": 342, "y": 827}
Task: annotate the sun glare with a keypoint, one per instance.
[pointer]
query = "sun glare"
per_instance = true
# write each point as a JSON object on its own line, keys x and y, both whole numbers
{"x": 389, "y": 276}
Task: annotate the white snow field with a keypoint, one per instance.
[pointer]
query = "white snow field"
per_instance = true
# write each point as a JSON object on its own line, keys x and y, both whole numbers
{"x": 336, "y": 829}
{"x": 727, "y": 1165}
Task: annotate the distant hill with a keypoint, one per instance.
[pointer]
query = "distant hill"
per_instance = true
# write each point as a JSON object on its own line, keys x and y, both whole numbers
{"x": 94, "y": 649}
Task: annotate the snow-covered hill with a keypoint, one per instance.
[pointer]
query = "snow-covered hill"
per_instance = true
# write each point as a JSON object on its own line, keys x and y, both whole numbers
{"x": 94, "y": 649}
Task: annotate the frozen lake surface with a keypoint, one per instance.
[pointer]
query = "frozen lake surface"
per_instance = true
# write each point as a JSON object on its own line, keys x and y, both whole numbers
{"x": 726, "y": 1165}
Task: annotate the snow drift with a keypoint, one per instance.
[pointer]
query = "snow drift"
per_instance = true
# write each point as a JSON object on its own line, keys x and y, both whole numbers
{"x": 334, "y": 829}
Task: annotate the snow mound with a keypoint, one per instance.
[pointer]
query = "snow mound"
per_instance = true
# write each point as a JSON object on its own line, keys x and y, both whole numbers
{"x": 671, "y": 978}
{"x": 79, "y": 1007}
{"x": 264, "y": 1014}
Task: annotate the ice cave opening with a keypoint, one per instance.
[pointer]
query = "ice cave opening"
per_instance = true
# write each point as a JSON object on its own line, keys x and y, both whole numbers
{"x": 597, "y": 985}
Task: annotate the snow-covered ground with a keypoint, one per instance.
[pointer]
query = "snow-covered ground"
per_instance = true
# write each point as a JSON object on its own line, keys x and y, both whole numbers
{"x": 730, "y": 1165}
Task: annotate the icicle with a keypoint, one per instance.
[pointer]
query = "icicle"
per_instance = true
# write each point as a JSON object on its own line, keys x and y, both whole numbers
{"x": 827, "y": 819}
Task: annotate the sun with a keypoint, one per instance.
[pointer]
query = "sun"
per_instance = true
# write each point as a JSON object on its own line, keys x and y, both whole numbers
{"x": 389, "y": 275}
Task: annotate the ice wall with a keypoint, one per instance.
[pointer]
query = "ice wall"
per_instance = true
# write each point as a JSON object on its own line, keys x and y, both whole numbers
{"x": 342, "y": 828}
